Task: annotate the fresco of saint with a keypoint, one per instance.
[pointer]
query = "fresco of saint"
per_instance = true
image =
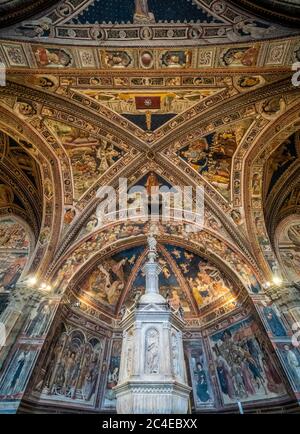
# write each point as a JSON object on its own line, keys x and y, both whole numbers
{"x": 14, "y": 251}
{"x": 142, "y": 14}
{"x": 245, "y": 370}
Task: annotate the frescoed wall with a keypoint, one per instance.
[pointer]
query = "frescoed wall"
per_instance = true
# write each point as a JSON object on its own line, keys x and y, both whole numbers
{"x": 72, "y": 369}
{"x": 16, "y": 375}
{"x": 246, "y": 370}
{"x": 14, "y": 252}
{"x": 275, "y": 323}
{"x": 199, "y": 375}
{"x": 39, "y": 319}
{"x": 186, "y": 280}
{"x": 291, "y": 357}
{"x": 76, "y": 369}
{"x": 109, "y": 398}
{"x": 90, "y": 156}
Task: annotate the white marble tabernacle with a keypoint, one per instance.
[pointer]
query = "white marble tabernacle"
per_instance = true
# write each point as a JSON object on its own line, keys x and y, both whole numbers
{"x": 152, "y": 376}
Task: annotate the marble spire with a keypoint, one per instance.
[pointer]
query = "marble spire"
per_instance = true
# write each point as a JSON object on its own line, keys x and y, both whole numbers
{"x": 152, "y": 271}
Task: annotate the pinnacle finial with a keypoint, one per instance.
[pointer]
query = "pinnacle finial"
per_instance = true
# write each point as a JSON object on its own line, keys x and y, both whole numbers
{"x": 152, "y": 270}
{"x": 152, "y": 245}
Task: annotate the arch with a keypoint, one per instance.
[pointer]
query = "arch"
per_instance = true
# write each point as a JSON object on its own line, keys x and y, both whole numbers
{"x": 255, "y": 161}
{"x": 28, "y": 137}
{"x": 171, "y": 174}
{"x": 287, "y": 246}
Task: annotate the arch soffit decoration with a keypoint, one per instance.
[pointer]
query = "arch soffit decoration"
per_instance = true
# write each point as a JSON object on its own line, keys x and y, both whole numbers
{"x": 174, "y": 177}
{"x": 59, "y": 104}
{"x": 262, "y": 148}
{"x": 242, "y": 95}
{"x": 23, "y": 187}
{"x": 81, "y": 259}
{"x": 273, "y": 207}
{"x": 21, "y": 220}
{"x": 23, "y": 133}
{"x": 28, "y": 229}
{"x": 254, "y": 96}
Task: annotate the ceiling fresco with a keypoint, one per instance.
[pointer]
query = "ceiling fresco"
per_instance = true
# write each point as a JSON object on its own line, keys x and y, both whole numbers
{"x": 128, "y": 11}
{"x": 282, "y": 10}
{"x": 185, "y": 279}
{"x": 211, "y": 156}
{"x": 20, "y": 178}
{"x": 90, "y": 156}
{"x": 149, "y": 111}
{"x": 182, "y": 20}
{"x": 281, "y": 160}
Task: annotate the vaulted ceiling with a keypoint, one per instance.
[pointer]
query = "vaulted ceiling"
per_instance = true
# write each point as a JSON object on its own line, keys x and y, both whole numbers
{"x": 197, "y": 92}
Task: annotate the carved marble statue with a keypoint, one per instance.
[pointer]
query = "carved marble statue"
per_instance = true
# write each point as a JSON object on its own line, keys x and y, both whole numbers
{"x": 129, "y": 359}
{"x": 152, "y": 243}
{"x": 152, "y": 352}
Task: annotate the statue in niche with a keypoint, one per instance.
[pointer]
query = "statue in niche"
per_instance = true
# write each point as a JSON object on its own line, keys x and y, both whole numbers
{"x": 129, "y": 359}
{"x": 175, "y": 355}
{"x": 137, "y": 296}
{"x": 152, "y": 352}
{"x": 152, "y": 243}
{"x": 142, "y": 14}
